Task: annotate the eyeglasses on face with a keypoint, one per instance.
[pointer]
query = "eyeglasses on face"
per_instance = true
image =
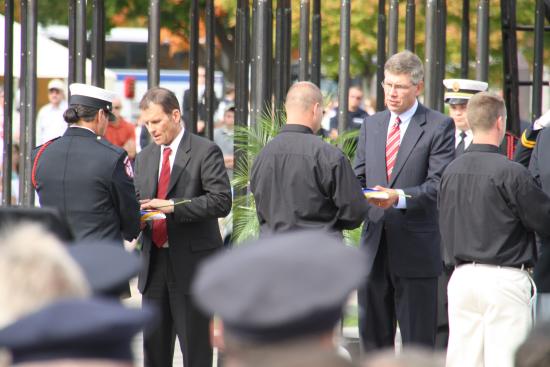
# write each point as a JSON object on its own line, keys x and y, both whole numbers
{"x": 398, "y": 87}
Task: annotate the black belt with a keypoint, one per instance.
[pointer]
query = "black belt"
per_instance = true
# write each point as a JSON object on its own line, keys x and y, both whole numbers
{"x": 520, "y": 266}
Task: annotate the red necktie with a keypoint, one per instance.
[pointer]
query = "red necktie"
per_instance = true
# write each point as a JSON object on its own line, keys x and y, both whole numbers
{"x": 160, "y": 232}
{"x": 392, "y": 147}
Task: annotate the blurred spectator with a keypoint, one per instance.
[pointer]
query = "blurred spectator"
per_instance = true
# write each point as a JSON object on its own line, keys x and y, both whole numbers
{"x": 356, "y": 113}
{"x": 223, "y": 136}
{"x": 370, "y": 105}
{"x": 50, "y": 122}
{"x": 35, "y": 270}
{"x": 75, "y": 333}
{"x": 121, "y": 132}
{"x": 201, "y": 103}
{"x": 227, "y": 101}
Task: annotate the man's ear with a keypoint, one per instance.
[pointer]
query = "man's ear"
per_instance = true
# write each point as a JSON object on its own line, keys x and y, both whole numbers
{"x": 176, "y": 114}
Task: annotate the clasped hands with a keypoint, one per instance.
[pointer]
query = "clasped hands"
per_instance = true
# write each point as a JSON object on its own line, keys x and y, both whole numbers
{"x": 385, "y": 203}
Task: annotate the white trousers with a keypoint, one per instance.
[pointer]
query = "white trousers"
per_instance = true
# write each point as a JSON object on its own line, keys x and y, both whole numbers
{"x": 490, "y": 314}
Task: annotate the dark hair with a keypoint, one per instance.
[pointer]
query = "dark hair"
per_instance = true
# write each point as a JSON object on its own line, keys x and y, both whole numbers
{"x": 75, "y": 113}
{"x": 161, "y": 96}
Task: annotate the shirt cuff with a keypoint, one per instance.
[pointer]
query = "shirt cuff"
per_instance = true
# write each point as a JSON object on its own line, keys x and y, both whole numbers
{"x": 402, "y": 202}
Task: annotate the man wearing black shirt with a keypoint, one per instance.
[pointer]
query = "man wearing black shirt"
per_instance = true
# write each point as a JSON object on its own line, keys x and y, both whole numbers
{"x": 355, "y": 112}
{"x": 488, "y": 210}
{"x": 301, "y": 182}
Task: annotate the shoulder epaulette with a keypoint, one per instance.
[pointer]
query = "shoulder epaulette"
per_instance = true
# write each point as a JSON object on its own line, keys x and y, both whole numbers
{"x": 529, "y": 142}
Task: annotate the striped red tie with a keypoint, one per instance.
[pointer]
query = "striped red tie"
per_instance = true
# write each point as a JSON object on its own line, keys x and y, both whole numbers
{"x": 392, "y": 147}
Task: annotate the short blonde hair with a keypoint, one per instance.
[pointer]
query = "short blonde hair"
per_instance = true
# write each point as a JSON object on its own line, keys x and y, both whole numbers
{"x": 484, "y": 109}
{"x": 35, "y": 269}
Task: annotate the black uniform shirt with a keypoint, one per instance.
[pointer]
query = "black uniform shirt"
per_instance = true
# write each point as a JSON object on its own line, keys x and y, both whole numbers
{"x": 356, "y": 119}
{"x": 299, "y": 182}
{"x": 489, "y": 208}
{"x": 90, "y": 181}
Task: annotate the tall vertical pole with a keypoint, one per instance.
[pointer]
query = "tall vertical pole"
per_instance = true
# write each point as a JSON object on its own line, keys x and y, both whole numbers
{"x": 262, "y": 55}
{"x": 72, "y": 42}
{"x": 343, "y": 74}
{"x": 29, "y": 34}
{"x": 410, "y": 25}
{"x": 98, "y": 44}
{"x": 282, "y": 51}
{"x": 430, "y": 61}
{"x": 380, "y": 54}
{"x": 8, "y": 102}
{"x": 210, "y": 67}
{"x": 393, "y": 27}
{"x": 316, "y": 43}
{"x": 304, "y": 40}
{"x": 482, "y": 55}
{"x": 153, "y": 44}
{"x": 538, "y": 64}
{"x": 80, "y": 39}
{"x": 441, "y": 50}
{"x": 465, "y": 40}
{"x": 193, "y": 66}
{"x": 242, "y": 57}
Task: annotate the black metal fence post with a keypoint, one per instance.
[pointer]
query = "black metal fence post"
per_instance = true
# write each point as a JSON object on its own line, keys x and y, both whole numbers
{"x": 193, "y": 67}
{"x": 304, "y": 40}
{"x": 8, "y": 102}
{"x": 80, "y": 42}
{"x": 482, "y": 54}
{"x": 316, "y": 43}
{"x": 28, "y": 102}
{"x": 410, "y": 25}
{"x": 210, "y": 67}
{"x": 538, "y": 64}
{"x": 282, "y": 51}
{"x": 393, "y": 32}
{"x": 380, "y": 54}
{"x": 153, "y": 44}
{"x": 430, "y": 58}
{"x": 343, "y": 74}
{"x": 465, "y": 40}
{"x": 98, "y": 44}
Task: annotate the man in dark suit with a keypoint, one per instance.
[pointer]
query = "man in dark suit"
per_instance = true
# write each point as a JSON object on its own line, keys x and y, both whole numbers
{"x": 402, "y": 152}
{"x": 184, "y": 176}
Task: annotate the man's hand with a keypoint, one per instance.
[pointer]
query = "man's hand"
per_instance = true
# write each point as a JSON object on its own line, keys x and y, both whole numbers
{"x": 385, "y": 203}
{"x": 165, "y": 206}
{"x": 228, "y": 160}
{"x": 542, "y": 121}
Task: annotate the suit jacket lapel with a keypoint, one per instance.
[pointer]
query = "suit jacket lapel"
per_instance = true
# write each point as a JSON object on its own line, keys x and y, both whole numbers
{"x": 413, "y": 133}
{"x": 182, "y": 158}
{"x": 380, "y": 144}
{"x": 152, "y": 168}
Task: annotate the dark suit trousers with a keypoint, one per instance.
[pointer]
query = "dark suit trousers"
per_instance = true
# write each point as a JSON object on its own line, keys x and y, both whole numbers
{"x": 442, "y": 336}
{"x": 178, "y": 316}
{"x": 387, "y": 299}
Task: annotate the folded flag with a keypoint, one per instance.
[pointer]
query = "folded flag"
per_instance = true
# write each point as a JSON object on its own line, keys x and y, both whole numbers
{"x": 148, "y": 215}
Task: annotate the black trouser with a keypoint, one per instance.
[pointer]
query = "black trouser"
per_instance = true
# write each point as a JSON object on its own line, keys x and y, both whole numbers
{"x": 387, "y": 299}
{"x": 442, "y": 336}
{"x": 177, "y": 316}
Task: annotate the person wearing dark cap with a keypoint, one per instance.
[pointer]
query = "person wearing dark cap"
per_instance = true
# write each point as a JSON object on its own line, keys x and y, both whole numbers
{"x": 183, "y": 175}
{"x": 301, "y": 182}
{"x": 489, "y": 208}
{"x": 279, "y": 292}
{"x": 87, "y": 178}
{"x": 75, "y": 332}
{"x": 458, "y": 93}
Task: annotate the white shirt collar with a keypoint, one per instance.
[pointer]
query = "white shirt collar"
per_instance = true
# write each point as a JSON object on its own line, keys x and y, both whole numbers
{"x": 176, "y": 142}
{"x": 407, "y": 115}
